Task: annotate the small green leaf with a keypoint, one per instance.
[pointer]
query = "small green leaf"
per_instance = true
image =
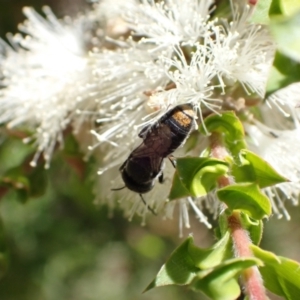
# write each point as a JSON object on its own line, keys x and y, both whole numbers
{"x": 213, "y": 256}
{"x": 15, "y": 179}
{"x": 71, "y": 146}
{"x": 188, "y": 259}
{"x": 199, "y": 174}
{"x": 281, "y": 275}
{"x": 275, "y": 8}
{"x": 288, "y": 44}
{"x": 261, "y": 12}
{"x": 289, "y": 7}
{"x": 230, "y": 125}
{"x": 223, "y": 223}
{"x": 243, "y": 171}
{"x": 254, "y": 227}
{"x": 254, "y": 169}
{"x": 13, "y": 152}
{"x": 178, "y": 190}
{"x": 179, "y": 269}
{"x": 246, "y": 197}
{"x": 221, "y": 282}
{"x": 26, "y": 181}
{"x": 284, "y": 72}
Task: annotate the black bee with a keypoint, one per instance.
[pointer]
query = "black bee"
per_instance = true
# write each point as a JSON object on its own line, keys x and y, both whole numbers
{"x": 160, "y": 139}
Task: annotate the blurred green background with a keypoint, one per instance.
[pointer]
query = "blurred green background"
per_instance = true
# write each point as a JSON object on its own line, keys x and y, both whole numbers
{"x": 60, "y": 246}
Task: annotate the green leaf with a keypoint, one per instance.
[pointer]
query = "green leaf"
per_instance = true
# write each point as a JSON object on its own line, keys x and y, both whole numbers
{"x": 3, "y": 252}
{"x": 255, "y": 169}
{"x": 179, "y": 269}
{"x": 261, "y": 12}
{"x": 287, "y": 44}
{"x": 275, "y": 8}
{"x": 13, "y": 152}
{"x": 232, "y": 128}
{"x": 213, "y": 256}
{"x": 284, "y": 72}
{"x": 246, "y": 197}
{"x": 15, "y": 179}
{"x": 281, "y": 275}
{"x": 178, "y": 190}
{"x": 199, "y": 174}
{"x": 289, "y": 7}
{"x": 187, "y": 260}
{"x": 254, "y": 227}
{"x": 221, "y": 282}
{"x": 38, "y": 181}
{"x": 26, "y": 181}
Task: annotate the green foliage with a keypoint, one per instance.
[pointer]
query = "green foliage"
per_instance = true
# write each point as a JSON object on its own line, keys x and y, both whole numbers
{"x": 210, "y": 270}
{"x": 196, "y": 176}
{"x": 246, "y": 197}
{"x": 229, "y": 125}
{"x": 289, "y": 7}
{"x": 27, "y": 182}
{"x": 254, "y": 227}
{"x": 284, "y": 72}
{"x": 253, "y": 168}
{"x": 265, "y": 10}
{"x": 283, "y": 18}
{"x": 288, "y": 44}
{"x": 221, "y": 282}
{"x": 187, "y": 260}
{"x": 178, "y": 189}
{"x": 286, "y": 65}
{"x": 214, "y": 271}
{"x": 261, "y": 12}
{"x": 61, "y": 247}
{"x": 281, "y": 275}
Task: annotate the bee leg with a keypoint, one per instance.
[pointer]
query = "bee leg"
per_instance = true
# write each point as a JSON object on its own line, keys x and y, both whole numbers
{"x": 118, "y": 189}
{"x": 161, "y": 178}
{"x": 148, "y": 207}
{"x": 274, "y": 135}
{"x": 172, "y": 160}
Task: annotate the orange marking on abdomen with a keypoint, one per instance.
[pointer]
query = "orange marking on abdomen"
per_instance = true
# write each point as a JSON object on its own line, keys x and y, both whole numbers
{"x": 184, "y": 115}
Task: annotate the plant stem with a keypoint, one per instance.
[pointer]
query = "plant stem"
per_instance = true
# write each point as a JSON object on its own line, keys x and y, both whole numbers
{"x": 251, "y": 277}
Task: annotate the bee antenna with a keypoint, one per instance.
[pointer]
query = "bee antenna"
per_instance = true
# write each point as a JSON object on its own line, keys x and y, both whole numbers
{"x": 118, "y": 189}
{"x": 148, "y": 207}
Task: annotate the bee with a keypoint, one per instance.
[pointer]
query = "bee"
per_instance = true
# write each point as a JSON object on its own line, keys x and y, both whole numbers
{"x": 160, "y": 139}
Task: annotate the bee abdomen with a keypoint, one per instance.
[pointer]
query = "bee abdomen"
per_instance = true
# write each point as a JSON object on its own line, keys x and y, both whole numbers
{"x": 181, "y": 123}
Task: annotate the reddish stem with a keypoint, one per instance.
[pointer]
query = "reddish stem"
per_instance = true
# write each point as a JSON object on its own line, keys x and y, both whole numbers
{"x": 241, "y": 241}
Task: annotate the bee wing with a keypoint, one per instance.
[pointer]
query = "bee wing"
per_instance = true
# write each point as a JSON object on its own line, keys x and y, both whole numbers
{"x": 145, "y": 151}
{"x": 142, "y": 134}
{"x": 157, "y": 164}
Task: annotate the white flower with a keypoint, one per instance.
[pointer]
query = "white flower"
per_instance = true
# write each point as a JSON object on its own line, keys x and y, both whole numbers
{"x": 242, "y": 52}
{"x": 287, "y": 101}
{"x": 123, "y": 76}
{"x": 199, "y": 59}
{"x": 145, "y": 58}
{"x": 171, "y": 22}
{"x": 46, "y": 78}
{"x": 277, "y": 147}
{"x": 276, "y": 140}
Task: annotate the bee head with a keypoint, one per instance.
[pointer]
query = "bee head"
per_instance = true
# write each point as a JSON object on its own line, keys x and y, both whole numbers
{"x": 138, "y": 187}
